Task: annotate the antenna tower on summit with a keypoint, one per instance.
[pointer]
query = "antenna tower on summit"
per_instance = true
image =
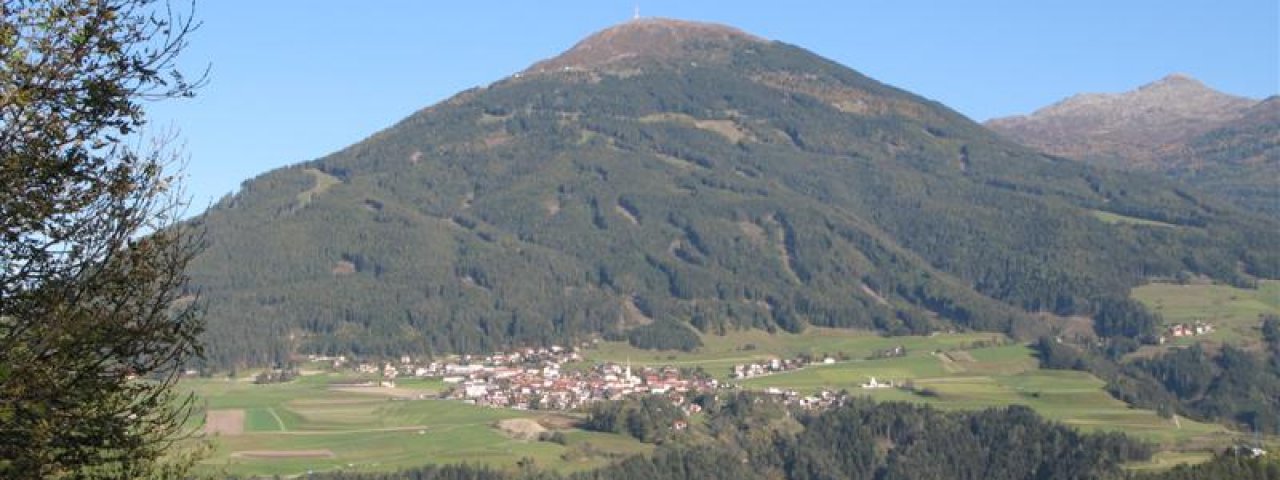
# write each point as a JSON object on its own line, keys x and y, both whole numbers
{"x": 636, "y": 15}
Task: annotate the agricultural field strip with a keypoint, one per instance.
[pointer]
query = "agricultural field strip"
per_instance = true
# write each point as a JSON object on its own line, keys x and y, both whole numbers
{"x": 375, "y": 431}
{"x": 276, "y": 416}
{"x": 407, "y": 428}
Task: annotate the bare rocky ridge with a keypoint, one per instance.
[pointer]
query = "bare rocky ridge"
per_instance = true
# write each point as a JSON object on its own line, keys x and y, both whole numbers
{"x": 1130, "y": 128}
{"x": 656, "y": 38}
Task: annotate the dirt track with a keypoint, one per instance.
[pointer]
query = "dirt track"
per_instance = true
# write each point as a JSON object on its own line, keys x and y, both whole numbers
{"x": 224, "y": 422}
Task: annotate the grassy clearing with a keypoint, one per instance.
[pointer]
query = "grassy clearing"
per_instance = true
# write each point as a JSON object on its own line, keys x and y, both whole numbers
{"x": 725, "y": 128}
{"x": 263, "y": 420}
{"x": 372, "y": 432}
{"x": 1115, "y": 218}
{"x": 323, "y": 183}
{"x": 1234, "y": 311}
{"x": 719, "y": 353}
{"x": 850, "y": 375}
{"x": 1169, "y": 459}
{"x": 998, "y": 376}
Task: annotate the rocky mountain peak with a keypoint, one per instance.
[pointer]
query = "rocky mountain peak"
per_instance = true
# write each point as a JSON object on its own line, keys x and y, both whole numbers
{"x": 1175, "y": 81}
{"x": 1174, "y": 96}
{"x": 1130, "y": 125}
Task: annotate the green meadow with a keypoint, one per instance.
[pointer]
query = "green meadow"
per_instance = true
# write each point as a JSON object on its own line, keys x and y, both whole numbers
{"x": 719, "y": 353}
{"x": 1115, "y": 218}
{"x": 997, "y": 376}
{"x": 1169, "y": 459}
{"x": 309, "y": 425}
{"x": 1233, "y": 311}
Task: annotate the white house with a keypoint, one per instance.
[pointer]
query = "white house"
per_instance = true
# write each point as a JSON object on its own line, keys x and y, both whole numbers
{"x": 476, "y": 390}
{"x": 875, "y": 384}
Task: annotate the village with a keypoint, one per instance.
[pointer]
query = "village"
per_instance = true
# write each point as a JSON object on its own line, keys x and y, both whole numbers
{"x": 543, "y": 379}
{"x": 554, "y": 388}
{"x": 538, "y": 379}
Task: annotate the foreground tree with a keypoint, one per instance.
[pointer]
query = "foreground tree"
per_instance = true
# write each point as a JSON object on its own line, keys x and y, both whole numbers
{"x": 93, "y": 326}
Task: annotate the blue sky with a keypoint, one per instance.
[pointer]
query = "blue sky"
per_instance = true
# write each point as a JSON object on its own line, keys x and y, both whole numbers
{"x": 293, "y": 80}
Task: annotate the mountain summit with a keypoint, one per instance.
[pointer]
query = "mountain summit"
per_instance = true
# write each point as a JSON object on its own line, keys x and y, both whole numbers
{"x": 1125, "y": 128}
{"x": 1226, "y": 145}
{"x": 657, "y": 39}
{"x": 666, "y": 180}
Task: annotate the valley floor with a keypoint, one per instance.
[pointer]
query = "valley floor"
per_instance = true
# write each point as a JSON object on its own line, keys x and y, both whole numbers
{"x": 314, "y": 423}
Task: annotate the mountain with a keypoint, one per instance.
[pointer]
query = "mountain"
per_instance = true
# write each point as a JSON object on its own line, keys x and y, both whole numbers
{"x": 663, "y": 177}
{"x": 1126, "y": 128}
{"x": 1226, "y": 145}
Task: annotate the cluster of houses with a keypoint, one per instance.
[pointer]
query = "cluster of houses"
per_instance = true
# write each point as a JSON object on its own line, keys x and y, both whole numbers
{"x": 1184, "y": 330}
{"x": 455, "y": 369}
{"x": 1179, "y": 330}
{"x": 822, "y": 400}
{"x": 535, "y": 378}
{"x": 551, "y": 388}
{"x": 775, "y": 365}
{"x": 898, "y": 351}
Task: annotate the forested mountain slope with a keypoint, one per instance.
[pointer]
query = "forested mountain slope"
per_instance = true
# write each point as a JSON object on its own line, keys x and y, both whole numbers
{"x": 665, "y": 173}
{"x": 1239, "y": 160}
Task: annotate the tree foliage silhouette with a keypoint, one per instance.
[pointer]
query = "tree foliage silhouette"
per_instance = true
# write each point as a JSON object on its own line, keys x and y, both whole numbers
{"x": 94, "y": 322}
